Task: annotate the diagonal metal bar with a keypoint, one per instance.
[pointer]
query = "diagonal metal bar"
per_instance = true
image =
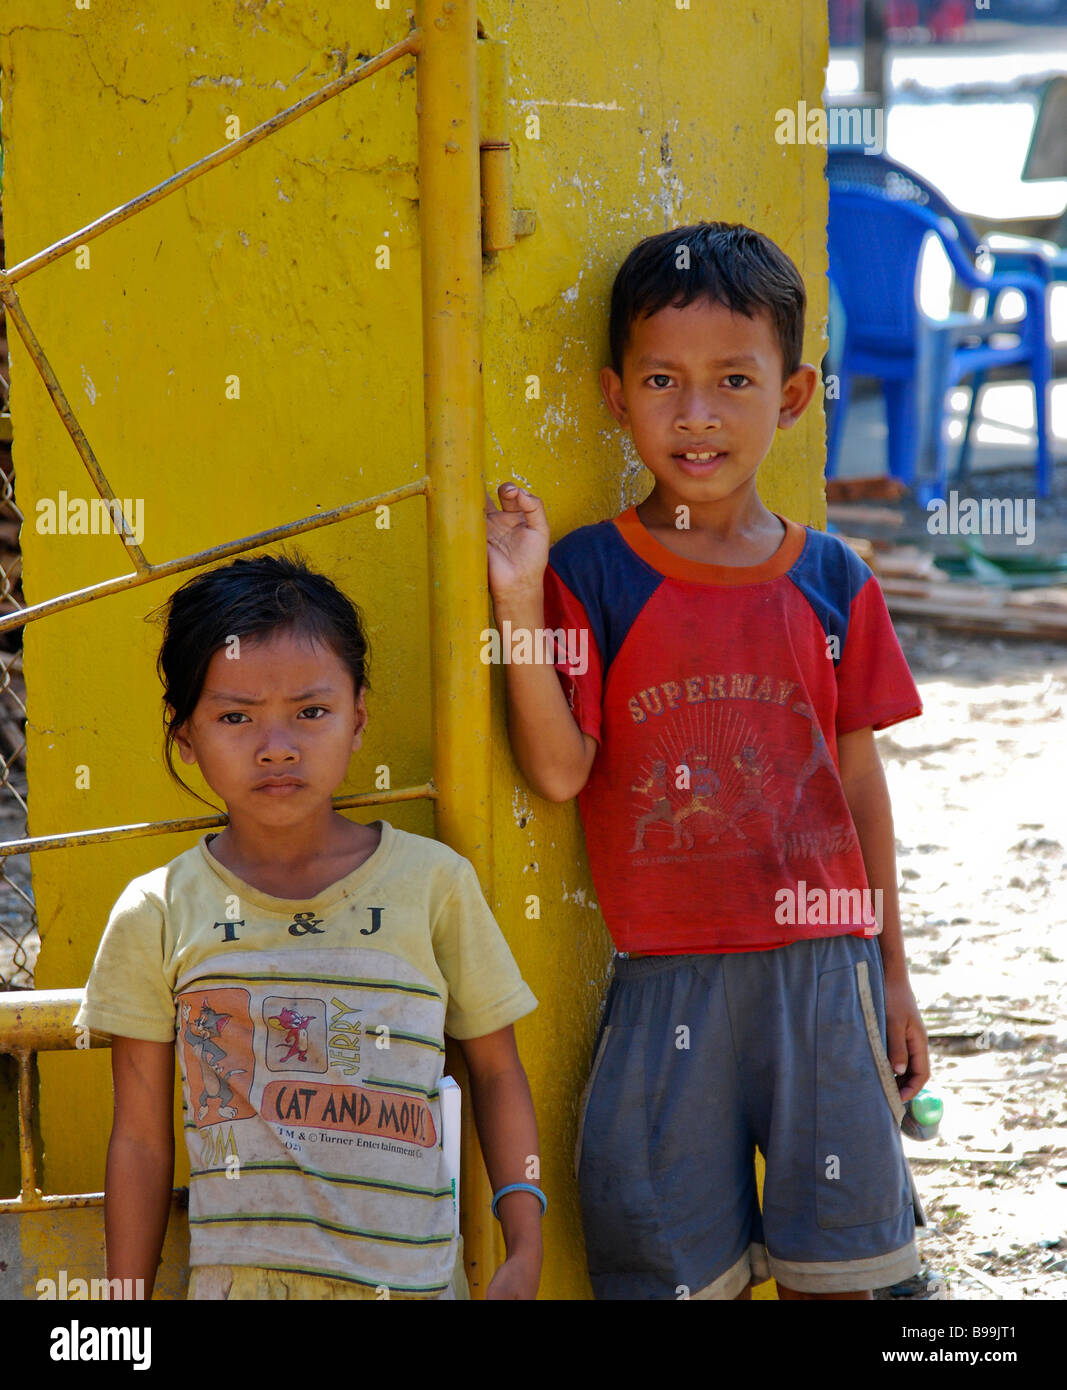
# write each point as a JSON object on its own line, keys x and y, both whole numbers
{"x": 76, "y": 838}
{"x": 18, "y": 317}
{"x": 411, "y": 44}
{"x": 121, "y": 214}
{"x": 32, "y": 1022}
{"x": 37, "y": 611}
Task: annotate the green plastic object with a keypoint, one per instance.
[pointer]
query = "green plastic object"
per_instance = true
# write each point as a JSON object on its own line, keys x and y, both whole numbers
{"x": 1003, "y": 570}
{"x": 922, "y": 1118}
{"x": 927, "y": 1108}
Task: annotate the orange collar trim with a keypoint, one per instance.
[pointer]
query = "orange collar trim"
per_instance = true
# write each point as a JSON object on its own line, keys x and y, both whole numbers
{"x": 666, "y": 562}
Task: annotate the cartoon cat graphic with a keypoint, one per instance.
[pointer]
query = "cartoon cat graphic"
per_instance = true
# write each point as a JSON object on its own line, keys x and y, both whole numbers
{"x": 202, "y": 1035}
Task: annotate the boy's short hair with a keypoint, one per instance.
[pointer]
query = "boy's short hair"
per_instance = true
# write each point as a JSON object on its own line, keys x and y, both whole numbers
{"x": 722, "y": 261}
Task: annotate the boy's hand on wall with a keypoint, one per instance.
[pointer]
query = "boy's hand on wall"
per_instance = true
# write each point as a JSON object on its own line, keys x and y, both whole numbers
{"x": 518, "y": 538}
{"x": 907, "y": 1048}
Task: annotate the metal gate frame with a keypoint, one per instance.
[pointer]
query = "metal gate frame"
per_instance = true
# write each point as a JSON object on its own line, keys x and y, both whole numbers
{"x": 455, "y": 167}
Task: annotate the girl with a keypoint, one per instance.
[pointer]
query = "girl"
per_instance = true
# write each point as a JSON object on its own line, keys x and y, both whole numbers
{"x": 307, "y": 967}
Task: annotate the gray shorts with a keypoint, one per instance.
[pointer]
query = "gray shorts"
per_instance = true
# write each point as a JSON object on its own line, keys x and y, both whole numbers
{"x": 699, "y": 1060}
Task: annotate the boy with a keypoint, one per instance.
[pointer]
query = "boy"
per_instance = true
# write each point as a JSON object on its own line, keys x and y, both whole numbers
{"x": 719, "y": 736}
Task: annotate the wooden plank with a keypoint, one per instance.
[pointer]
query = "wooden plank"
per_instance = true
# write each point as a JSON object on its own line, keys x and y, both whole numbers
{"x": 962, "y": 1156}
{"x": 975, "y": 616}
{"x": 847, "y": 514}
{"x": 904, "y": 585}
{"x": 880, "y": 489}
{"x": 996, "y": 1286}
{"x": 909, "y": 562}
{"x": 863, "y": 548}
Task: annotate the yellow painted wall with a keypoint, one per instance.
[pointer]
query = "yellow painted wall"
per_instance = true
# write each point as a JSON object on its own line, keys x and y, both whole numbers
{"x": 649, "y": 116}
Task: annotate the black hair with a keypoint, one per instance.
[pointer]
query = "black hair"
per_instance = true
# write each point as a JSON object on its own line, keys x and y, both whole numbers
{"x": 248, "y": 599}
{"x": 722, "y": 261}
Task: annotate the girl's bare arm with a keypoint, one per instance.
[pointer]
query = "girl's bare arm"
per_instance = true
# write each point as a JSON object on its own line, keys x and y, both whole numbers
{"x": 140, "y": 1159}
{"x": 507, "y": 1129}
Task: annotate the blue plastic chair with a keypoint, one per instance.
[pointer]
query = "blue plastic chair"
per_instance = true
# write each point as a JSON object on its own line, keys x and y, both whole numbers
{"x": 875, "y": 245}
{"x": 851, "y": 168}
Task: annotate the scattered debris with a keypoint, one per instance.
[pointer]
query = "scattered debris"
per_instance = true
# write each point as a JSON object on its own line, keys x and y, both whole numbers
{"x": 849, "y": 514}
{"x": 916, "y": 585}
{"x": 879, "y": 489}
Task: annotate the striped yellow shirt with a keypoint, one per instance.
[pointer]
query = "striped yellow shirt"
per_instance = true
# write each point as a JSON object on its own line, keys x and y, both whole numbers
{"x": 310, "y": 1036}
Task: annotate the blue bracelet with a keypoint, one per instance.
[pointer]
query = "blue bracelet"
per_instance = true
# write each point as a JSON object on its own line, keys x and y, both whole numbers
{"x": 519, "y": 1187}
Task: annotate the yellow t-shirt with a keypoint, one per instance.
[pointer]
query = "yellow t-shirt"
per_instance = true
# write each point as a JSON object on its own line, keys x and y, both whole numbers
{"x": 310, "y": 1041}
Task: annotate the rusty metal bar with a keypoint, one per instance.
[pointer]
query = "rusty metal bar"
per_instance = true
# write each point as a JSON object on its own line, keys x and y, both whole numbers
{"x": 37, "y": 1019}
{"x": 27, "y": 1156}
{"x": 212, "y": 161}
{"x": 77, "y": 838}
{"x": 43, "y": 1021}
{"x": 205, "y": 557}
{"x": 13, "y": 1206}
{"x": 70, "y": 420}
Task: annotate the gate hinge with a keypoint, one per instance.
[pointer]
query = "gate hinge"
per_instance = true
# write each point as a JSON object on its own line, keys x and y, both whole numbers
{"x": 502, "y": 223}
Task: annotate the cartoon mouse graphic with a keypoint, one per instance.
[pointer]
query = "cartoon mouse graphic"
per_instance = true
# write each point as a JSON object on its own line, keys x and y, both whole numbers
{"x": 294, "y": 1030}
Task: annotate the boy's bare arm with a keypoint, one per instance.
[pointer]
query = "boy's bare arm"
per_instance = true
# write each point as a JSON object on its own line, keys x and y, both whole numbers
{"x": 554, "y": 755}
{"x": 867, "y": 794}
{"x": 140, "y": 1159}
{"x": 507, "y": 1130}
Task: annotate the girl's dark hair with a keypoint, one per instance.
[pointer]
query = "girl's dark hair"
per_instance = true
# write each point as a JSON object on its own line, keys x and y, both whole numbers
{"x": 721, "y": 261}
{"x": 249, "y": 598}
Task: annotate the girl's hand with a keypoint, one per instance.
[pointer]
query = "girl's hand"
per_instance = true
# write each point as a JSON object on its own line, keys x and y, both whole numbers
{"x": 140, "y": 1160}
{"x": 518, "y": 537}
{"x": 507, "y": 1131}
{"x": 518, "y": 1277}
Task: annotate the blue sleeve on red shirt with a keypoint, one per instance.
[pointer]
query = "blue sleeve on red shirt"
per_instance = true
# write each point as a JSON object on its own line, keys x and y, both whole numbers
{"x": 830, "y": 574}
{"x": 875, "y": 686}
{"x": 610, "y": 582}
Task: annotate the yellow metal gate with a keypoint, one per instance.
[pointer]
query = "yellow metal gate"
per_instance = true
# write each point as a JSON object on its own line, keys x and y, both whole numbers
{"x": 463, "y": 153}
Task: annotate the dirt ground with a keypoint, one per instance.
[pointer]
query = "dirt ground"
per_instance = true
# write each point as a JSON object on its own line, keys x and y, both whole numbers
{"x": 982, "y": 858}
{"x": 976, "y": 785}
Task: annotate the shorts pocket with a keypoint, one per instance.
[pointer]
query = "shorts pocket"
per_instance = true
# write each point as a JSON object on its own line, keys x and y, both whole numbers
{"x": 583, "y": 1106}
{"x": 874, "y": 1037}
{"x": 620, "y": 1212}
{"x": 860, "y": 1174}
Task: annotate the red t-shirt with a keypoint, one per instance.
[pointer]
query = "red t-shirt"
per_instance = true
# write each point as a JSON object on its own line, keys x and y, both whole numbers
{"x": 714, "y": 814}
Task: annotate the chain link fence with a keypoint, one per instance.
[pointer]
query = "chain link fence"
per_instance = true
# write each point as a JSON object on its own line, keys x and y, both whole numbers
{"x": 19, "y": 940}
